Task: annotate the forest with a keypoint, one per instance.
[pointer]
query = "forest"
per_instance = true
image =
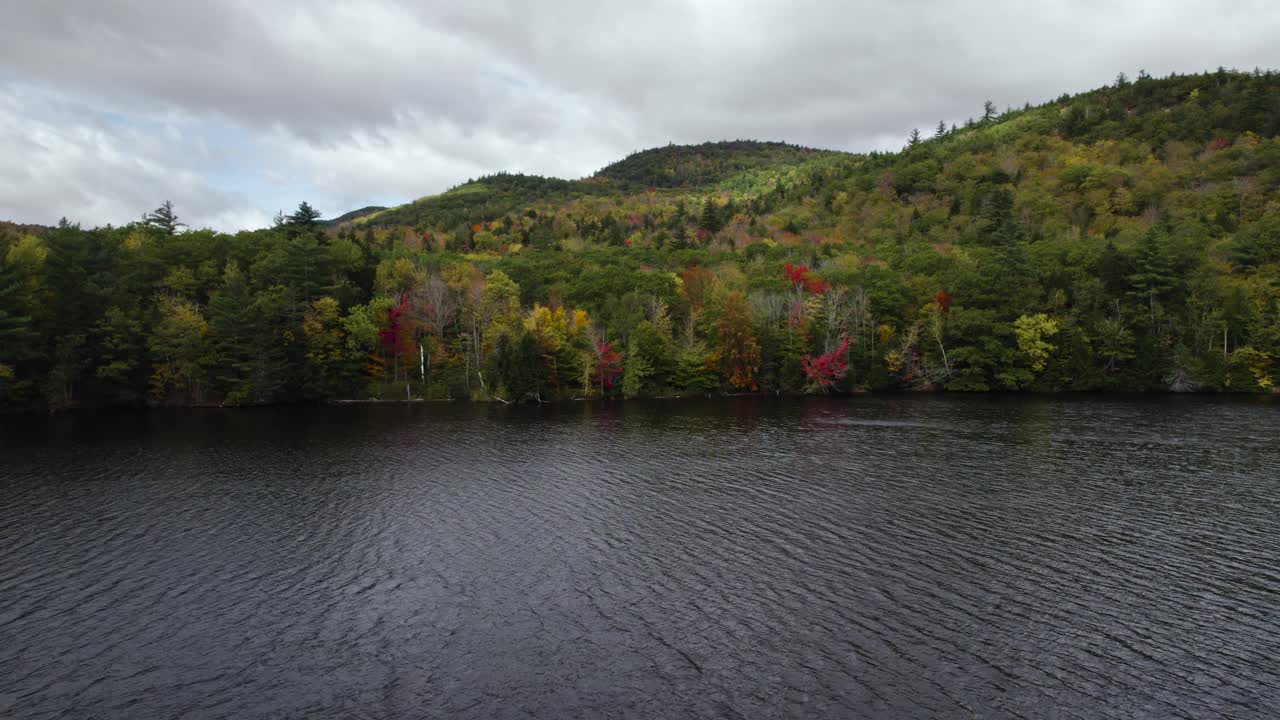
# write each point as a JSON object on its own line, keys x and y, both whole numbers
{"x": 1122, "y": 239}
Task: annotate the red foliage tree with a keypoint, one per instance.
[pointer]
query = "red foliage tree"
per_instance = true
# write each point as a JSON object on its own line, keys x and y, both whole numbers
{"x": 944, "y": 301}
{"x": 825, "y": 370}
{"x": 608, "y": 366}
{"x": 801, "y": 277}
{"x": 392, "y": 336}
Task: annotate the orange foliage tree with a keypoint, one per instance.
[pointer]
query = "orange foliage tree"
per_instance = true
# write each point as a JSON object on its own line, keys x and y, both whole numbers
{"x": 739, "y": 354}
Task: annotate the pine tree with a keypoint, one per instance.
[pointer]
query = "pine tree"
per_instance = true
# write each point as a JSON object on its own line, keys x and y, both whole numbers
{"x": 988, "y": 112}
{"x": 710, "y": 218}
{"x": 304, "y": 218}
{"x": 914, "y": 138}
{"x": 1154, "y": 276}
{"x": 232, "y": 329}
{"x": 518, "y": 367}
{"x": 942, "y": 129}
{"x": 996, "y": 218}
{"x": 1259, "y": 110}
{"x": 164, "y": 219}
{"x": 306, "y": 264}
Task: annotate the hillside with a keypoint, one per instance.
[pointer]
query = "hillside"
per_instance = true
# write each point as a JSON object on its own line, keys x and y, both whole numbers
{"x": 705, "y": 165}
{"x": 354, "y": 215}
{"x": 696, "y": 168}
{"x": 478, "y": 200}
{"x": 1124, "y": 238}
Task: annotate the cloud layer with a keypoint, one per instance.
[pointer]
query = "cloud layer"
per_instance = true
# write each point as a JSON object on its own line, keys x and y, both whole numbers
{"x": 236, "y": 108}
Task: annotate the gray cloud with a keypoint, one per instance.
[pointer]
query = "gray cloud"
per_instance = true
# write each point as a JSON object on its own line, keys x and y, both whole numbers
{"x": 346, "y": 104}
{"x": 60, "y": 159}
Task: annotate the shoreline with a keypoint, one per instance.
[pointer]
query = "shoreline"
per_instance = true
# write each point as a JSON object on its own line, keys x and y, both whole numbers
{"x": 339, "y": 402}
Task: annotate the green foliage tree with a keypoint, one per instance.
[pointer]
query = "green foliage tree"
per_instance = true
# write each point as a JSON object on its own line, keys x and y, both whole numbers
{"x": 180, "y": 348}
{"x": 1032, "y": 332}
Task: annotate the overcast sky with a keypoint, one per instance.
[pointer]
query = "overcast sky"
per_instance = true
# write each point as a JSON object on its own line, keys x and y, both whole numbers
{"x": 234, "y": 109}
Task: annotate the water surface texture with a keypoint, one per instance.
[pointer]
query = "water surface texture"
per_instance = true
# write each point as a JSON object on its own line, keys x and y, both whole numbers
{"x": 878, "y": 557}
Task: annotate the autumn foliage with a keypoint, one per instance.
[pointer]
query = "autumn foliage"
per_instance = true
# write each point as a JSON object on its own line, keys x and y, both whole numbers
{"x": 739, "y": 349}
{"x": 802, "y": 278}
{"x": 392, "y": 335}
{"x": 943, "y": 300}
{"x": 825, "y": 370}
{"x": 696, "y": 283}
{"x": 608, "y": 365}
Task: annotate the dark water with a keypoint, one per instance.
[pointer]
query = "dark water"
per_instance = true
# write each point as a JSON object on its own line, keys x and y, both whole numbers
{"x": 876, "y": 557}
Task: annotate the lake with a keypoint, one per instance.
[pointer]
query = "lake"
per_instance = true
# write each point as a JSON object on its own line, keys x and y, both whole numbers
{"x": 879, "y": 556}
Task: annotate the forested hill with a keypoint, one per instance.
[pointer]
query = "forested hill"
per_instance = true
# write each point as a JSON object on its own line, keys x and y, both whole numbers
{"x": 354, "y": 215}
{"x": 699, "y": 166}
{"x": 703, "y": 168}
{"x": 1125, "y": 238}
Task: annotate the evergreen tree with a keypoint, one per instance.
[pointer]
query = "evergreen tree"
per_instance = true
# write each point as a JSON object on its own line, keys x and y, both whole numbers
{"x": 234, "y": 334}
{"x": 518, "y": 367}
{"x": 306, "y": 258}
{"x": 1154, "y": 277}
{"x": 164, "y": 219}
{"x": 996, "y": 221}
{"x": 710, "y": 218}
{"x": 304, "y": 218}
{"x": 120, "y": 367}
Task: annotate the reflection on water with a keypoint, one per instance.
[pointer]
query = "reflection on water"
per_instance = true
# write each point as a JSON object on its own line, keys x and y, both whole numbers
{"x": 869, "y": 557}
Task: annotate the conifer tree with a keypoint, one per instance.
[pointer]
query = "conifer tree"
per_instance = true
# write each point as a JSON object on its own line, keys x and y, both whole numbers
{"x": 164, "y": 219}
{"x": 306, "y": 264}
{"x": 710, "y": 218}
{"x": 988, "y": 112}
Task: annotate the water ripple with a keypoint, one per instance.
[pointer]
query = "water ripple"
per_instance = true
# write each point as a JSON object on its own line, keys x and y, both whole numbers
{"x": 875, "y": 557}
